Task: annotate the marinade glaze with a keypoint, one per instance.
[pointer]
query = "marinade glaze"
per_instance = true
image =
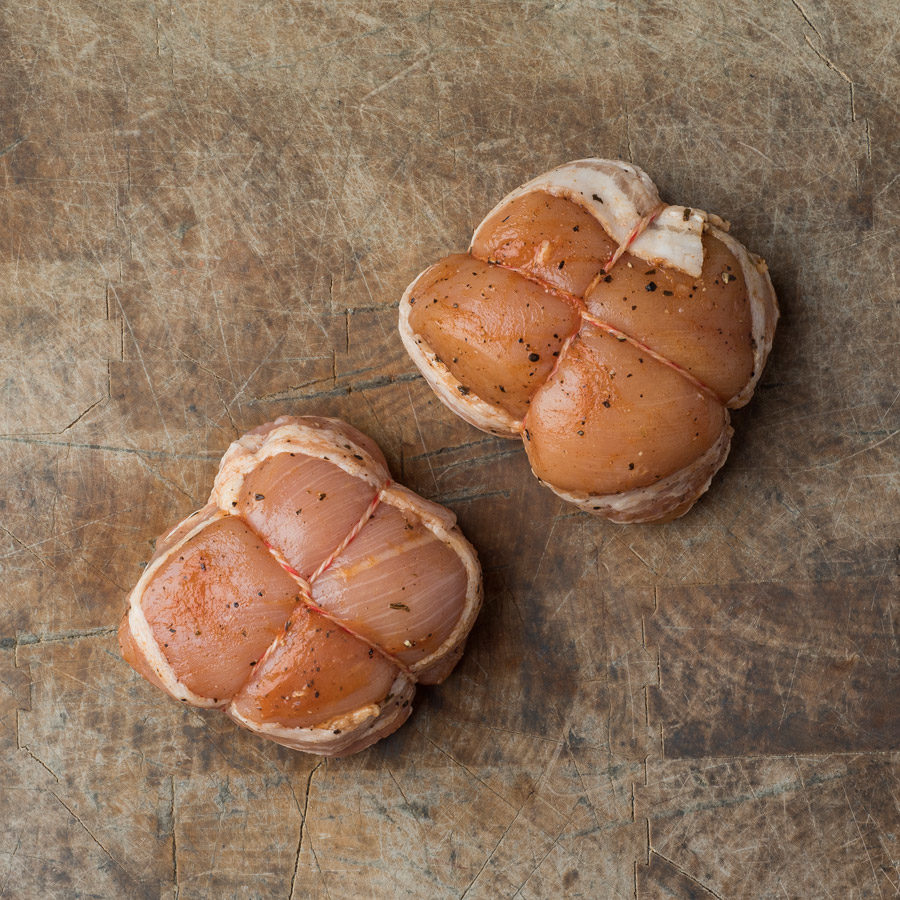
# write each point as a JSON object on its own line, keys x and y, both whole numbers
{"x": 309, "y": 596}
{"x": 609, "y": 331}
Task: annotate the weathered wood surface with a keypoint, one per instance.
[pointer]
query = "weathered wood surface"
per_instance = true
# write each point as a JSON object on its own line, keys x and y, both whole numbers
{"x": 208, "y": 215}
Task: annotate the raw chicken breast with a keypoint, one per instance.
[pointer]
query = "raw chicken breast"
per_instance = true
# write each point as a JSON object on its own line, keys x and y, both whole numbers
{"x": 309, "y": 596}
{"x": 655, "y": 319}
{"x": 549, "y": 238}
{"x": 397, "y": 585}
{"x": 315, "y": 672}
{"x": 498, "y": 333}
{"x": 613, "y": 418}
{"x": 701, "y": 324}
{"x": 304, "y": 506}
{"x": 215, "y": 604}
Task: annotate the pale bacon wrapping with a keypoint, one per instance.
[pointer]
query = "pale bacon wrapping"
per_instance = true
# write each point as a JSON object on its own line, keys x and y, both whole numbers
{"x": 581, "y": 243}
{"x": 317, "y": 643}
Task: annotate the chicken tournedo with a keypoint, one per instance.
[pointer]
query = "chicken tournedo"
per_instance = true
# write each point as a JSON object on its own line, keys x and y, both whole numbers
{"x": 608, "y": 330}
{"x": 309, "y": 596}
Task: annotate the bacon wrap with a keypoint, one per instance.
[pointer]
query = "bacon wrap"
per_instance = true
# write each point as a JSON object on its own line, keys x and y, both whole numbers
{"x": 610, "y": 331}
{"x": 309, "y": 596}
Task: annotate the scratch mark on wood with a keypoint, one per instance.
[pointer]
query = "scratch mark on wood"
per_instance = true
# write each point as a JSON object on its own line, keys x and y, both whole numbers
{"x": 137, "y": 451}
{"x": 28, "y": 548}
{"x": 687, "y": 875}
{"x": 412, "y": 406}
{"x": 440, "y": 451}
{"x": 496, "y": 846}
{"x": 372, "y": 384}
{"x": 790, "y": 688}
{"x": 10, "y": 147}
{"x": 756, "y": 150}
{"x": 624, "y": 89}
{"x": 842, "y": 459}
{"x": 395, "y": 78}
{"x": 77, "y": 418}
{"x": 90, "y": 833}
{"x": 177, "y": 886}
{"x": 303, "y": 811}
{"x": 289, "y": 392}
{"x": 140, "y": 356}
{"x": 40, "y": 762}
{"x": 24, "y": 639}
{"x": 473, "y": 495}
{"x": 774, "y": 790}
{"x": 540, "y": 862}
{"x": 10, "y": 867}
{"x": 537, "y": 568}
{"x": 875, "y": 877}
{"x": 585, "y": 793}
{"x": 839, "y": 71}
{"x": 806, "y": 18}
{"x": 638, "y": 556}
{"x": 165, "y": 480}
{"x": 481, "y": 460}
{"x": 465, "y": 769}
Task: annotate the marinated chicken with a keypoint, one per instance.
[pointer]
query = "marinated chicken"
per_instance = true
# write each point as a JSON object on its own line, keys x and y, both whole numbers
{"x": 309, "y": 596}
{"x": 609, "y": 331}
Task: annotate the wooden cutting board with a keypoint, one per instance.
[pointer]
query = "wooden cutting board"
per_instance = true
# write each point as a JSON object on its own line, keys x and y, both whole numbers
{"x": 208, "y": 216}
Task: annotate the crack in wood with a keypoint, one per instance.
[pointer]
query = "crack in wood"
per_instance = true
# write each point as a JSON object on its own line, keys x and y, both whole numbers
{"x": 806, "y": 18}
{"x": 176, "y": 886}
{"x": 493, "y": 852}
{"x": 837, "y": 70}
{"x": 10, "y": 147}
{"x": 468, "y": 771}
{"x": 303, "y": 827}
{"x": 39, "y": 761}
{"x": 24, "y": 639}
{"x": 137, "y": 451}
{"x": 453, "y": 448}
{"x": 90, "y": 833}
{"x": 342, "y": 390}
{"x": 471, "y": 495}
{"x": 684, "y": 874}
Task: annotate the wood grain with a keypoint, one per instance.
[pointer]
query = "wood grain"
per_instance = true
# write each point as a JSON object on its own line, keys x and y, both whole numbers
{"x": 207, "y": 216}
